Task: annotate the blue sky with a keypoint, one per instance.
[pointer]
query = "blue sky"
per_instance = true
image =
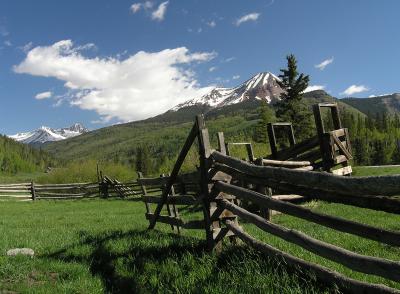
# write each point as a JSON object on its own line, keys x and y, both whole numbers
{"x": 102, "y": 62}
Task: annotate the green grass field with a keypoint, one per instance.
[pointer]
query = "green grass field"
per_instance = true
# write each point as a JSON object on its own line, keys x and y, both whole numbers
{"x": 102, "y": 246}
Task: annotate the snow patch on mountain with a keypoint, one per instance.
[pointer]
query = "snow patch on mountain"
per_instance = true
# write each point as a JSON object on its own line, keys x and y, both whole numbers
{"x": 45, "y": 134}
{"x": 262, "y": 86}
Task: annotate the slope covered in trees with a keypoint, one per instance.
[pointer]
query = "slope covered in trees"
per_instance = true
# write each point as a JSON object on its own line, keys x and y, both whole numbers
{"x": 16, "y": 157}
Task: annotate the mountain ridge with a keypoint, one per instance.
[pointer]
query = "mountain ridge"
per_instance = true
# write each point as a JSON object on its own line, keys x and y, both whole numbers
{"x": 46, "y": 134}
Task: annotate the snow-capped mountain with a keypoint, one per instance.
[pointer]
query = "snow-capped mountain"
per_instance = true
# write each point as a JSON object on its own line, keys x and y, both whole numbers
{"x": 262, "y": 86}
{"x": 46, "y": 134}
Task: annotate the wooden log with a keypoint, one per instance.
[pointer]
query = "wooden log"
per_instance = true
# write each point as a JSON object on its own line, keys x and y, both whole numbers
{"x": 194, "y": 225}
{"x": 15, "y": 191}
{"x": 159, "y": 181}
{"x": 366, "y": 264}
{"x": 66, "y": 184}
{"x": 297, "y": 149}
{"x": 287, "y": 197}
{"x": 369, "y": 186}
{"x": 372, "y": 202}
{"x": 182, "y": 155}
{"x": 323, "y": 274}
{"x": 287, "y": 163}
{"x": 177, "y": 199}
{"x": 343, "y": 171}
{"x": 170, "y": 220}
{"x": 308, "y": 168}
{"x": 333, "y": 222}
{"x": 16, "y": 196}
{"x": 62, "y": 194}
{"x": 33, "y": 192}
{"x": 66, "y": 197}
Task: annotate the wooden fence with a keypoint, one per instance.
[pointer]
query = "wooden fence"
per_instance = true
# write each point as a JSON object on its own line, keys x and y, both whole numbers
{"x": 223, "y": 180}
{"x": 106, "y": 188}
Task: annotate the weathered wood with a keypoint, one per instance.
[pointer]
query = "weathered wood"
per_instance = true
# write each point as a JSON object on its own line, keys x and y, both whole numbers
{"x": 368, "y": 186}
{"x": 328, "y": 276}
{"x": 63, "y": 194}
{"x": 166, "y": 219}
{"x": 287, "y": 163}
{"x": 221, "y": 143}
{"x": 182, "y": 155}
{"x": 342, "y": 148}
{"x": 177, "y": 199}
{"x": 17, "y": 191}
{"x": 342, "y": 171}
{"x": 308, "y": 168}
{"x": 287, "y": 197}
{"x": 204, "y": 154}
{"x": 67, "y": 185}
{"x": 159, "y": 181}
{"x": 16, "y": 196}
{"x": 333, "y": 222}
{"x": 297, "y": 149}
{"x": 33, "y": 192}
{"x": 361, "y": 263}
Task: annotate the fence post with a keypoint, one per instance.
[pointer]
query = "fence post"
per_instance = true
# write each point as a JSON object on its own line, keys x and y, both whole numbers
{"x": 33, "y": 192}
{"x": 264, "y": 212}
{"x": 204, "y": 154}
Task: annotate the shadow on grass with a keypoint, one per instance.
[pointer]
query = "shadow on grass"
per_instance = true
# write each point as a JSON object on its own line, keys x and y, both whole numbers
{"x": 122, "y": 261}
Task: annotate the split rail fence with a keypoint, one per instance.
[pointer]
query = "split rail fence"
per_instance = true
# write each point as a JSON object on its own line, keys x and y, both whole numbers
{"x": 223, "y": 181}
{"x": 106, "y": 188}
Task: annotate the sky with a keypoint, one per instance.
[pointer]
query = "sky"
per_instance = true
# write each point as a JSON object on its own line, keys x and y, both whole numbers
{"x": 102, "y": 62}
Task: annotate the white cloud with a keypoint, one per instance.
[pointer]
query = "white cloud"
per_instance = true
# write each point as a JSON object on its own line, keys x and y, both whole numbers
{"x": 135, "y": 7}
{"x": 213, "y": 68}
{"x": 236, "y": 77}
{"x": 212, "y": 24}
{"x": 141, "y": 85}
{"x": 7, "y": 43}
{"x": 323, "y": 64}
{"x": 314, "y": 88}
{"x": 248, "y": 17}
{"x": 159, "y": 13}
{"x": 44, "y": 95}
{"x": 354, "y": 89}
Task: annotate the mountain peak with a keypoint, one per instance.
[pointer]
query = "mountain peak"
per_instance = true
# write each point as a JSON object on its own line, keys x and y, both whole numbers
{"x": 46, "y": 134}
{"x": 262, "y": 86}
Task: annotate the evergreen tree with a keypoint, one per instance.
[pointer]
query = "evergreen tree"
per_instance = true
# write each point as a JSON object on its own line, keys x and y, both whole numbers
{"x": 266, "y": 116}
{"x": 143, "y": 163}
{"x": 291, "y": 107}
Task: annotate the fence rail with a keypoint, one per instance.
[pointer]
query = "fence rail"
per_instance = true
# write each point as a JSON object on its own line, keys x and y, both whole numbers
{"x": 106, "y": 188}
{"x": 226, "y": 182}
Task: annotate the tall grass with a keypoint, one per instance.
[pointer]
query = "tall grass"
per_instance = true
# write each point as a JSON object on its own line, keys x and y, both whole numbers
{"x": 86, "y": 171}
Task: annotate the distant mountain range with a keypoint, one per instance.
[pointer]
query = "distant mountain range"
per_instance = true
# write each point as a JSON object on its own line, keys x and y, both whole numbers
{"x": 389, "y": 103}
{"x": 262, "y": 86}
{"x": 45, "y": 134}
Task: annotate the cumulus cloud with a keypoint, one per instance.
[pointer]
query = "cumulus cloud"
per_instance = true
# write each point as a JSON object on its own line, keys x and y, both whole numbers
{"x": 248, "y": 17}
{"x": 159, "y": 13}
{"x": 236, "y": 77}
{"x": 354, "y": 89}
{"x": 139, "y": 86}
{"x": 314, "y": 88}
{"x": 323, "y": 64}
{"x": 44, "y": 95}
{"x": 213, "y": 68}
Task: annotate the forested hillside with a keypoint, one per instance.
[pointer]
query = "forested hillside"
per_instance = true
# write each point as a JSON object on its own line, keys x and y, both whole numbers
{"x": 17, "y": 157}
{"x": 153, "y": 144}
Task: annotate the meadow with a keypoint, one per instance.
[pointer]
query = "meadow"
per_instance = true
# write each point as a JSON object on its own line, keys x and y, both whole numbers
{"x": 103, "y": 246}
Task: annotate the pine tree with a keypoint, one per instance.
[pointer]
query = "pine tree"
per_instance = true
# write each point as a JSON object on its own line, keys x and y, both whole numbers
{"x": 266, "y": 116}
{"x": 143, "y": 163}
{"x": 291, "y": 107}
